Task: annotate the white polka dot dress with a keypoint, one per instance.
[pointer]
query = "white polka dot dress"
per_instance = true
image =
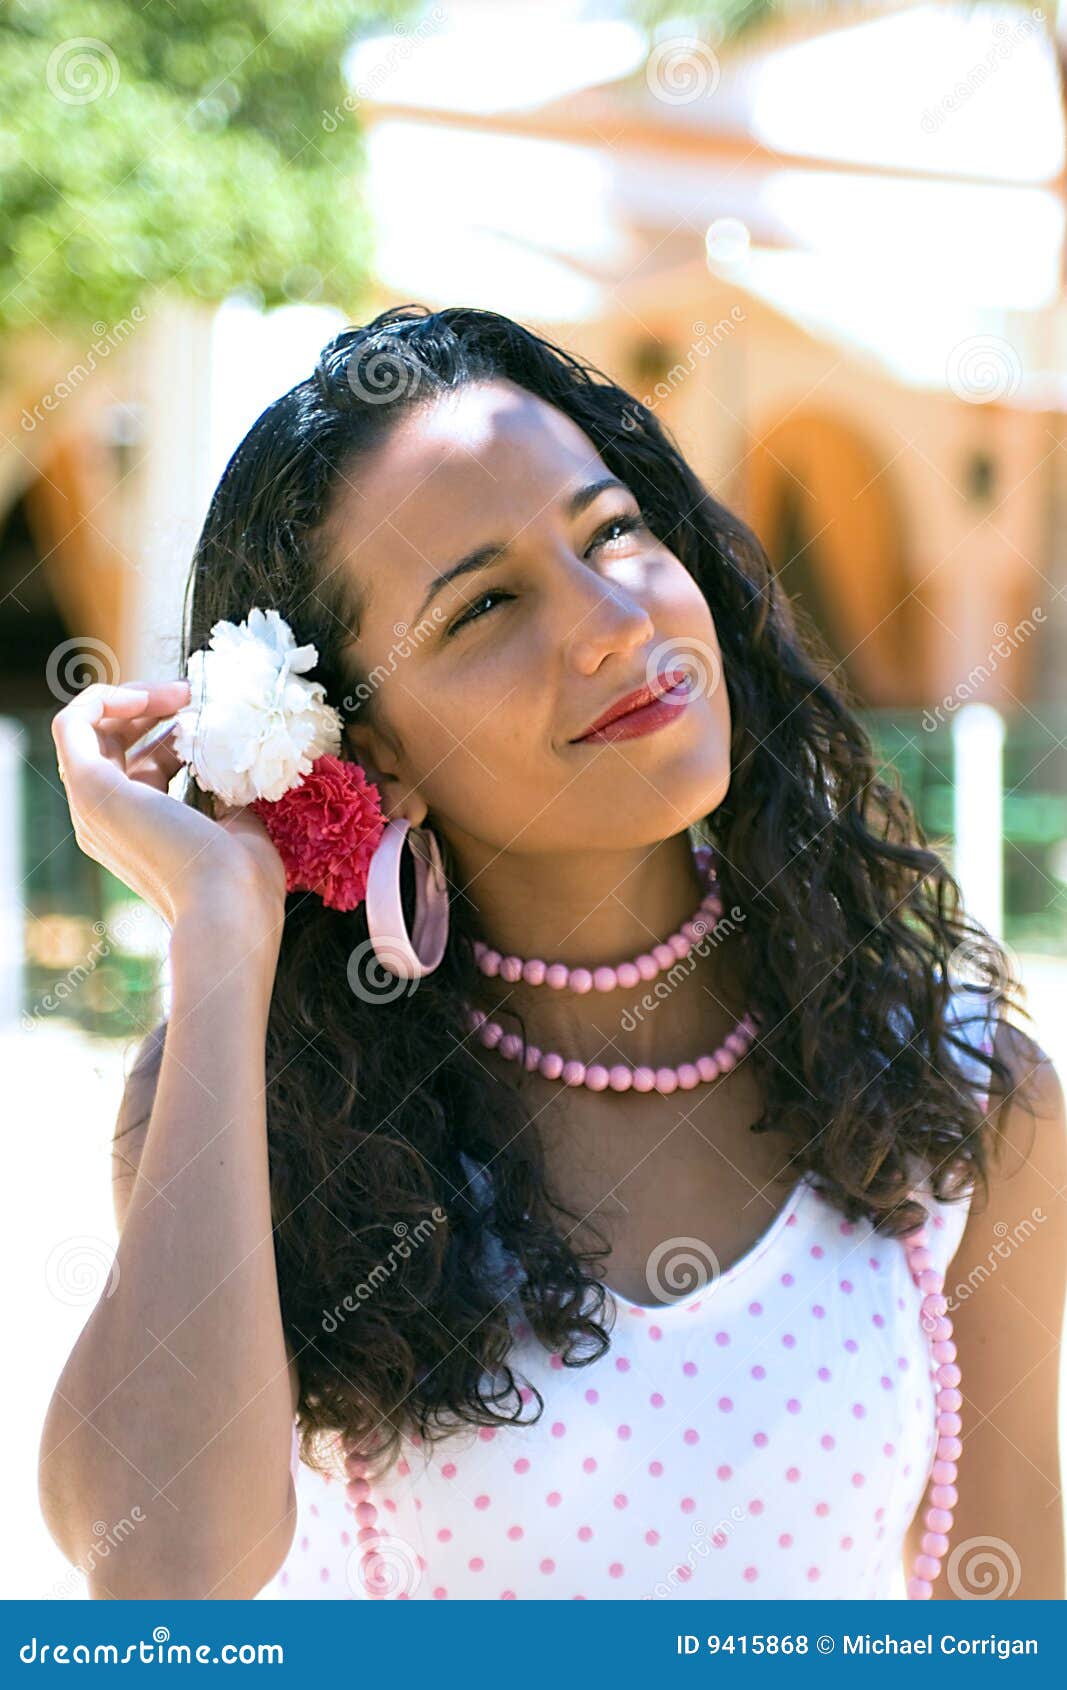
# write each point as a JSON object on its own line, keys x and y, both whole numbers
{"x": 770, "y": 1436}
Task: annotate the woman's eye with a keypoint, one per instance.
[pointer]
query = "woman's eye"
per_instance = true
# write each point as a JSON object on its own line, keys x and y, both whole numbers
{"x": 473, "y": 613}
{"x": 629, "y": 524}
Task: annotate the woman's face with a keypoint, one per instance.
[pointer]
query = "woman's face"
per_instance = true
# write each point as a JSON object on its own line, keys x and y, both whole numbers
{"x": 481, "y": 684}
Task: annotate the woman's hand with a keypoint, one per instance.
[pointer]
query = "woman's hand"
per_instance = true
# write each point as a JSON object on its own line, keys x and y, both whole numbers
{"x": 168, "y": 853}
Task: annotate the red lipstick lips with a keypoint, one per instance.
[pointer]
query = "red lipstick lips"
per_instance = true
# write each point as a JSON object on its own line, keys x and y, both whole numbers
{"x": 641, "y": 711}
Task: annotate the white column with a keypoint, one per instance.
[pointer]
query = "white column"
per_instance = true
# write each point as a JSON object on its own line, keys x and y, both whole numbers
{"x": 978, "y": 812}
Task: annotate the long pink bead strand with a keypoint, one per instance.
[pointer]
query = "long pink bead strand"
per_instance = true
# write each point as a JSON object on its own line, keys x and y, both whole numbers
{"x": 943, "y": 1495}
{"x": 357, "y": 1493}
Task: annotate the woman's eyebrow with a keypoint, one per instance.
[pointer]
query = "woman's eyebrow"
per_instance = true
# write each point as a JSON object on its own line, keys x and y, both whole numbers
{"x": 490, "y": 553}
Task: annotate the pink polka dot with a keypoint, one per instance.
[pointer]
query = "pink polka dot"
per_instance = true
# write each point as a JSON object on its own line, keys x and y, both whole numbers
{"x": 846, "y": 1227}
{"x": 507, "y": 1596}
{"x": 589, "y": 1464}
{"x": 759, "y": 1372}
{"x": 621, "y": 1501}
{"x": 440, "y": 1592}
{"x": 514, "y": 1533}
{"x": 558, "y": 1429}
{"x": 878, "y": 1319}
{"x": 846, "y": 1285}
{"x": 592, "y": 1395}
{"x": 487, "y": 1434}
{"x": 402, "y": 1468}
{"x": 788, "y": 1340}
{"x": 858, "y": 1410}
{"x": 824, "y": 1373}
{"x": 687, "y": 1505}
{"x": 655, "y": 1468}
{"x": 655, "y": 1332}
{"x": 827, "y": 1441}
{"x": 555, "y": 1361}
{"x": 448, "y": 1471}
{"x": 792, "y": 1474}
{"x": 813, "y": 1574}
{"x": 444, "y": 1534}
{"x": 553, "y": 1499}
{"x": 759, "y": 1439}
{"x": 751, "y": 1573}
{"x": 585, "y": 1533}
{"x": 522, "y": 1465}
{"x": 656, "y": 1399}
{"x": 846, "y": 1543}
{"x": 722, "y": 1337}
{"x": 787, "y": 1279}
{"x": 793, "y": 1406}
{"x": 689, "y": 1368}
{"x": 691, "y": 1435}
{"x": 858, "y": 1480}
{"x": 724, "y": 1472}
{"x": 786, "y": 1540}
{"x": 623, "y": 1432}
{"x": 851, "y": 1345}
{"x": 476, "y": 1564}
{"x": 817, "y": 1310}
{"x": 755, "y": 1507}
{"x": 481, "y": 1502}
{"x": 822, "y": 1508}
{"x": 652, "y": 1538}
{"x": 817, "y": 1251}
{"x": 548, "y": 1565}
{"x": 622, "y": 1363}
{"x": 888, "y": 1449}
{"x": 755, "y": 1308}
{"x": 616, "y": 1569}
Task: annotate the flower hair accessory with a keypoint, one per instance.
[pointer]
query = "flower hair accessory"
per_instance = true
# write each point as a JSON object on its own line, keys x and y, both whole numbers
{"x": 257, "y": 732}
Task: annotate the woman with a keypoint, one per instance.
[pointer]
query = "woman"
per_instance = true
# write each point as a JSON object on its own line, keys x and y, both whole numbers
{"x": 579, "y": 1316}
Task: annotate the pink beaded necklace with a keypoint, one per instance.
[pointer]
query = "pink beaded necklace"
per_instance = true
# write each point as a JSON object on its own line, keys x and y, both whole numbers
{"x": 621, "y": 1076}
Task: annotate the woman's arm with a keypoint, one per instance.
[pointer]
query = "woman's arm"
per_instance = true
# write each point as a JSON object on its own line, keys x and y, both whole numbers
{"x": 174, "y": 1411}
{"x": 1007, "y": 1540}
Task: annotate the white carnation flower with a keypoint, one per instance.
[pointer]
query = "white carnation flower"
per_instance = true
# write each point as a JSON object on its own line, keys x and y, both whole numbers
{"x": 254, "y": 725}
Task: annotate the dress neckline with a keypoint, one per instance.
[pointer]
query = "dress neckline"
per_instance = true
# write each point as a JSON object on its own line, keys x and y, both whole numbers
{"x": 705, "y": 1299}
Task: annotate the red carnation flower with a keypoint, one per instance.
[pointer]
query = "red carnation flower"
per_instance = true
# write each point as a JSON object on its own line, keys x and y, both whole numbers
{"x": 325, "y": 830}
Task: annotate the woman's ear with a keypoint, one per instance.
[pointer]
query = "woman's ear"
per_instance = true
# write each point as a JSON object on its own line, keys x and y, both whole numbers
{"x": 364, "y": 746}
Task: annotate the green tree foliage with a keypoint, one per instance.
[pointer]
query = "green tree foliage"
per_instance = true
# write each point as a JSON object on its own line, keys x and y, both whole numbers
{"x": 198, "y": 145}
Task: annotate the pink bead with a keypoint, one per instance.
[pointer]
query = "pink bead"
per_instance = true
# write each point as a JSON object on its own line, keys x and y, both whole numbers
{"x": 620, "y": 1078}
{"x": 949, "y": 1374}
{"x": 950, "y": 1423}
{"x": 491, "y": 1035}
{"x": 933, "y": 1304}
{"x": 926, "y": 1567}
{"x": 919, "y": 1589}
{"x": 944, "y": 1496}
{"x": 644, "y": 1079}
{"x": 629, "y": 975}
{"x": 663, "y": 955}
{"x": 707, "y": 1068}
{"x": 581, "y": 980}
{"x": 727, "y": 1059}
{"x": 934, "y": 1543}
{"x": 596, "y": 1077}
{"x": 949, "y": 1449}
{"x": 647, "y": 966}
{"x": 938, "y": 1519}
{"x": 534, "y": 971}
{"x": 605, "y": 979}
{"x": 921, "y": 1258}
{"x": 533, "y": 1058}
{"x": 944, "y": 1351}
{"x": 679, "y": 945}
{"x": 930, "y": 1281}
{"x": 511, "y": 969}
{"x": 941, "y": 1329}
{"x": 666, "y": 1081}
{"x": 556, "y": 976}
{"x": 356, "y": 1490}
{"x": 949, "y": 1399}
{"x": 944, "y": 1472}
{"x": 491, "y": 963}
{"x": 573, "y": 1073}
{"x": 510, "y": 1046}
{"x": 551, "y": 1065}
{"x": 688, "y": 1076}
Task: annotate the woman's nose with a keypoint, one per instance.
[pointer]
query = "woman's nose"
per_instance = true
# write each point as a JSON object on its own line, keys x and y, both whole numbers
{"x": 603, "y": 618}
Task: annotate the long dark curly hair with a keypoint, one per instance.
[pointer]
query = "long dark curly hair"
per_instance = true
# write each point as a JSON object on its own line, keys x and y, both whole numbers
{"x": 853, "y": 930}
